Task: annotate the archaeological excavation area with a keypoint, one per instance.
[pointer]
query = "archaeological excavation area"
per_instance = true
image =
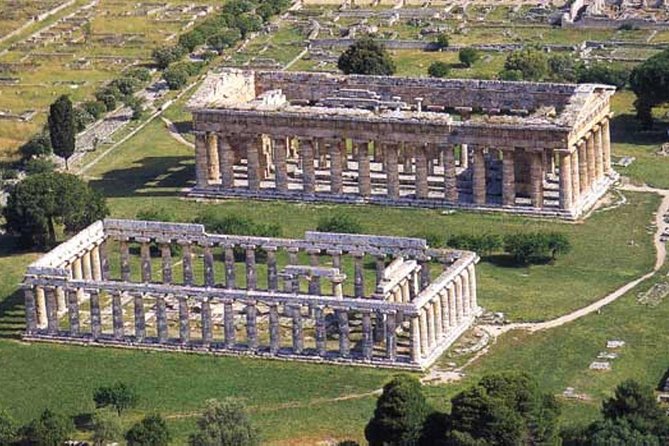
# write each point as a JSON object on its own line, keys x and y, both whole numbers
{"x": 139, "y": 284}
{"x": 520, "y": 147}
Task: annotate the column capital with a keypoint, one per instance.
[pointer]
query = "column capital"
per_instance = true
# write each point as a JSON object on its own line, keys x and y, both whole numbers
{"x": 142, "y": 239}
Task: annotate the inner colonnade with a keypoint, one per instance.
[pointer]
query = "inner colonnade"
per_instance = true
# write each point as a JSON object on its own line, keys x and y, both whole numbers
{"x": 534, "y": 149}
{"x": 173, "y": 286}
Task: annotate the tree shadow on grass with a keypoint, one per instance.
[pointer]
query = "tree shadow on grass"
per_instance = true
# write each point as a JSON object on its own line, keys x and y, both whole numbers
{"x": 83, "y": 421}
{"x": 625, "y": 129}
{"x": 507, "y": 261}
{"x": 12, "y": 316}
{"x": 152, "y": 176}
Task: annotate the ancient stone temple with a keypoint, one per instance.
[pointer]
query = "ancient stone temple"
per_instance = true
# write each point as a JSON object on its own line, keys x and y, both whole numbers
{"x": 529, "y": 148}
{"x": 335, "y": 298}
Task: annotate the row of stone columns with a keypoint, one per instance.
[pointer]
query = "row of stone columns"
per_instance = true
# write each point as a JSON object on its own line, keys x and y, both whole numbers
{"x": 91, "y": 264}
{"x": 250, "y": 264}
{"x": 444, "y": 312}
{"x": 229, "y": 341}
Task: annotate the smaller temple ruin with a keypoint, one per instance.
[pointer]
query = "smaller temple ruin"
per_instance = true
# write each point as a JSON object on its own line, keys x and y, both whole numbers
{"x": 334, "y": 298}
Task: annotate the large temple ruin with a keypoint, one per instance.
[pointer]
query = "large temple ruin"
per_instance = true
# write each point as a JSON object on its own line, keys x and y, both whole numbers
{"x": 335, "y": 298}
{"x": 529, "y": 148}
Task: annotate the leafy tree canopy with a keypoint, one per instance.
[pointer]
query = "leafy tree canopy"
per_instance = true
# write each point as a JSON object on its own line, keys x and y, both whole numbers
{"x": 151, "y": 431}
{"x": 366, "y": 56}
{"x": 650, "y": 82}
{"x": 532, "y": 63}
{"x": 224, "y": 423}
{"x": 468, "y": 56}
{"x": 49, "y": 429}
{"x": 40, "y": 202}
{"x": 120, "y": 396}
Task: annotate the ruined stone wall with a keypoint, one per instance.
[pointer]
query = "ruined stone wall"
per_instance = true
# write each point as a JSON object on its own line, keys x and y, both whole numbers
{"x": 437, "y": 92}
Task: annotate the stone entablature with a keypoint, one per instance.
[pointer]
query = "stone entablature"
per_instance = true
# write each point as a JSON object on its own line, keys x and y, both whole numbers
{"x": 305, "y": 310}
{"x": 522, "y": 147}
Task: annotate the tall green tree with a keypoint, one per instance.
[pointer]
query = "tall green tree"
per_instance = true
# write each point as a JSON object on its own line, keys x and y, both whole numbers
{"x": 151, "y": 431}
{"x": 40, "y": 203}
{"x": 650, "y": 82}
{"x": 636, "y": 404}
{"x": 366, "y": 56}
{"x": 468, "y": 56}
{"x": 120, "y": 396}
{"x": 49, "y": 429}
{"x": 532, "y": 63}
{"x": 224, "y": 423}
{"x": 62, "y": 130}
{"x": 400, "y": 414}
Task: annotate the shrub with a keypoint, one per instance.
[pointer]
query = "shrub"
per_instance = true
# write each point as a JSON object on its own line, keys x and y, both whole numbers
{"x": 438, "y": 69}
{"x": 511, "y": 75}
{"x": 604, "y": 73}
{"x": 443, "y": 40}
{"x": 151, "y": 431}
{"x": 164, "y": 56}
{"x": 484, "y": 244}
{"x": 433, "y": 240}
{"x": 50, "y": 429}
{"x": 139, "y": 73}
{"x": 39, "y": 165}
{"x": 120, "y": 396}
{"x": 366, "y": 56}
{"x": 339, "y": 222}
{"x": 38, "y": 145}
{"x": 176, "y": 77}
{"x": 236, "y": 225}
{"x": 468, "y": 56}
{"x": 536, "y": 247}
{"x": 95, "y": 108}
{"x": 532, "y": 63}
{"x": 225, "y": 38}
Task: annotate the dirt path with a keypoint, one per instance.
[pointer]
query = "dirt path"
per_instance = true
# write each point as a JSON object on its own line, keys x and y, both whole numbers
{"x": 660, "y": 257}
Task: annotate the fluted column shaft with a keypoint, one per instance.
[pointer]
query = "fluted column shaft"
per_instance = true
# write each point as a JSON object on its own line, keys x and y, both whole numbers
{"x": 566, "y": 194}
{"x": 450, "y": 176}
{"x": 606, "y": 145}
{"x": 583, "y": 171}
{"x": 392, "y": 171}
{"x": 592, "y": 163}
{"x": 213, "y": 164}
{"x": 227, "y": 162}
{"x": 575, "y": 178}
{"x": 599, "y": 152}
{"x": 201, "y": 169}
{"x": 253, "y": 163}
{"x": 479, "y": 177}
{"x": 421, "y": 173}
{"x": 536, "y": 179}
{"x": 280, "y": 167}
{"x": 364, "y": 173}
{"x": 308, "y": 171}
{"x": 336, "y": 156}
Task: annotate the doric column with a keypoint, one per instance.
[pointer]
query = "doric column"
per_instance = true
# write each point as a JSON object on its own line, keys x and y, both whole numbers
{"x": 161, "y": 319}
{"x": 359, "y": 278}
{"x": 205, "y": 314}
{"x": 272, "y": 272}
{"x": 445, "y": 312}
{"x": 583, "y": 171}
{"x": 125, "y": 259}
{"x": 575, "y": 179}
{"x": 117, "y": 316}
{"x": 96, "y": 316}
{"x": 87, "y": 265}
{"x": 227, "y": 162}
{"x": 274, "y": 329}
{"x": 536, "y": 179}
{"x": 201, "y": 169}
{"x": 421, "y": 172}
{"x": 438, "y": 322}
{"x": 145, "y": 254}
{"x": 213, "y": 164}
{"x": 229, "y": 267}
{"x": 51, "y": 311}
{"x": 415, "y": 339}
{"x": 104, "y": 260}
{"x": 187, "y": 260}
{"x": 459, "y": 298}
{"x": 424, "y": 335}
{"x": 344, "y": 330}
{"x": 253, "y": 163}
{"x": 298, "y": 340}
{"x": 508, "y": 177}
{"x": 391, "y": 337}
{"x": 479, "y": 177}
{"x": 473, "y": 299}
{"x": 464, "y": 156}
{"x": 61, "y": 301}
{"x": 251, "y": 328}
{"x": 367, "y": 341}
{"x": 592, "y": 162}
{"x": 40, "y": 304}
{"x": 77, "y": 269}
{"x": 450, "y": 176}
{"x": 140, "y": 318}
{"x": 606, "y": 145}
{"x": 320, "y": 330}
{"x": 466, "y": 304}
{"x": 336, "y": 183}
{"x": 280, "y": 168}
{"x": 308, "y": 171}
{"x": 251, "y": 281}
{"x": 392, "y": 172}
{"x": 314, "y": 282}
{"x": 96, "y": 263}
{"x": 184, "y": 320}
{"x": 208, "y": 260}
{"x": 30, "y": 310}
{"x": 566, "y": 181}
{"x": 228, "y": 324}
{"x": 166, "y": 256}
{"x": 364, "y": 173}
{"x": 431, "y": 328}
{"x": 73, "y": 312}
{"x": 452, "y": 306}
{"x": 407, "y": 159}
{"x": 599, "y": 151}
